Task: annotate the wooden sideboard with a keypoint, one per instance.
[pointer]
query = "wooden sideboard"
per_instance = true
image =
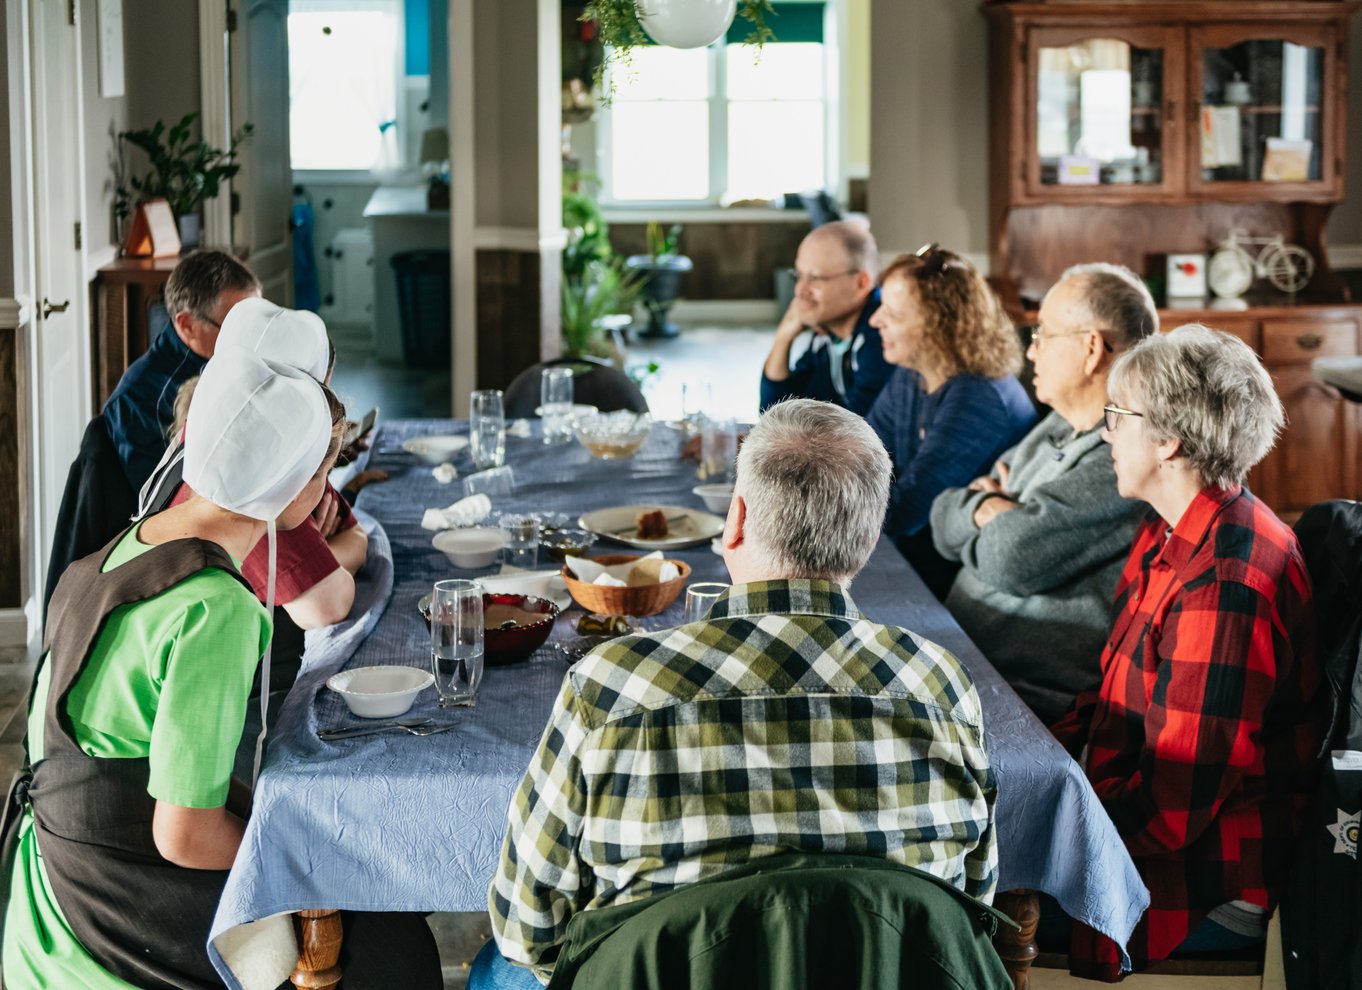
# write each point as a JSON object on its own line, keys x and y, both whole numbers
{"x": 121, "y": 297}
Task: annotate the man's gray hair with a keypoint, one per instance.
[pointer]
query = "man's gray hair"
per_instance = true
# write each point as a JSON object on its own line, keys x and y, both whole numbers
{"x": 1207, "y": 390}
{"x": 815, "y": 479}
{"x": 863, "y": 255}
{"x": 202, "y": 276}
{"x": 1118, "y": 302}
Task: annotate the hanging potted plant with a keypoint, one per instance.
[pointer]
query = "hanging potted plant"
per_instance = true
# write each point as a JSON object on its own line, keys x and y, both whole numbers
{"x": 626, "y": 24}
{"x": 184, "y": 171}
{"x": 661, "y": 270}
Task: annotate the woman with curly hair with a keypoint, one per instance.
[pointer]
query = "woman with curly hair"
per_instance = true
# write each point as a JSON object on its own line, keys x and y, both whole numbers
{"x": 953, "y": 404}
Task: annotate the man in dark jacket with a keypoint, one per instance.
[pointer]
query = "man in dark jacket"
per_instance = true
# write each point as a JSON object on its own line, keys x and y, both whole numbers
{"x": 201, "y": 290}
{"x": 835, "y": 296}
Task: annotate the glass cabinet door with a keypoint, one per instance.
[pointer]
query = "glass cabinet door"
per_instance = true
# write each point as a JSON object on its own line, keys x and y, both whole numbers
{"x": 1103, "y": 113}
{"x": 1264, "y": 115}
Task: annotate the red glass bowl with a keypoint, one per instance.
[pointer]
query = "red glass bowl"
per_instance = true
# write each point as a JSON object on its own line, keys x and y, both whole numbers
{"x": 534, "y": 621}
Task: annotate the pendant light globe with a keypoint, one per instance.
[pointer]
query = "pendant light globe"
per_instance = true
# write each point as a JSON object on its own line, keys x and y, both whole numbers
{"x": 686, "y": 23}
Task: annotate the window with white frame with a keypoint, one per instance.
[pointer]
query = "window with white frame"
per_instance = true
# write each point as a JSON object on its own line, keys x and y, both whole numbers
{"x": 345, "y": 64}
{"x": 723, "y": 123}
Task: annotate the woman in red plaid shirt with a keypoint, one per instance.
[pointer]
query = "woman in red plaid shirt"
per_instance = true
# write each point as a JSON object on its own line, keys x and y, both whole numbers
{"x": 1199, "y": 739}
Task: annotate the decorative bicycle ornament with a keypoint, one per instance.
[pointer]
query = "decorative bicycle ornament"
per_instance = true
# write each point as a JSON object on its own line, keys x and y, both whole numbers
{"x": 1241, "y": 259}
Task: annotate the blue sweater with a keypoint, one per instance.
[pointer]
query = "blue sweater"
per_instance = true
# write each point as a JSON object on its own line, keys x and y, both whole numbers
{"x": 944, "y": 439}
{"x": 864, "y": 369}
{"x": 142, "y": 408}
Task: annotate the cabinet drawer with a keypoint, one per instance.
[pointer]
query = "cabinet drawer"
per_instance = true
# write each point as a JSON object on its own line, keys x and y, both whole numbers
{"x": 1290, "y": 342}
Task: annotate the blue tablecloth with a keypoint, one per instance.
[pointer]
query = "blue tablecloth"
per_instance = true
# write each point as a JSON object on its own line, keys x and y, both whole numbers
{"x": 396, "y": 822}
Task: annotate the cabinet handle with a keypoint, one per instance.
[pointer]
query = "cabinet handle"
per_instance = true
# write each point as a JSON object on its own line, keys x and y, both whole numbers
{"x": 50, "y": 307}
{"x": 1309, "y": 341}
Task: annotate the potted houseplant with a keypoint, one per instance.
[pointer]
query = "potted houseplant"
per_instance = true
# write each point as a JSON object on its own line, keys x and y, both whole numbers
{"x": 601, "y": 290}
{"x": 661, "y": 270}
{"x": 183, "y": 170}
{"x": 679, "y": 23}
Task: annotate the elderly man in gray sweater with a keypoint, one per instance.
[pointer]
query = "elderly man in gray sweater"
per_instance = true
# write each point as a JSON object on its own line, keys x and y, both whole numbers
{"x": 1041, "y": 540}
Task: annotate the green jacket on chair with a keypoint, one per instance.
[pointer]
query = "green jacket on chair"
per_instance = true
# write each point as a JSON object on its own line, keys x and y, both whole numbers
{"x": 786, "y": 922}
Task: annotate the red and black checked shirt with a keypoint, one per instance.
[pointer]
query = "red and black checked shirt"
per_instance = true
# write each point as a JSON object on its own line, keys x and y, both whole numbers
{"x": 1201, "y": 737}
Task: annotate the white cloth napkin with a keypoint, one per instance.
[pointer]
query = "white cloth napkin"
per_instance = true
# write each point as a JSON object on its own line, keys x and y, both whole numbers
{"x": 617, "y": 575}
{"x": 464, "y": 512}
{"x": 520, "y": 428}
{"x": 445, "y": 473}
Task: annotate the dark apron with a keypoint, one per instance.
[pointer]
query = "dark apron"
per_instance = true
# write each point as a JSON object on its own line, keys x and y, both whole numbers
{"x": 141, "y": 917}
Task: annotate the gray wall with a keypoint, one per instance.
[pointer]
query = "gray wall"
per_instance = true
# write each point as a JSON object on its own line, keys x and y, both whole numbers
{"x": 161, "y": 38}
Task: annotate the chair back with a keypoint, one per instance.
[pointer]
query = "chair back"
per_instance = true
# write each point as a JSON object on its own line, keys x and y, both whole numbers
{"x": 96, "y": 505}
{"x": 852, "y": 922}
{"x": 594, "y": 383}
{"x": 1321, "y": 914}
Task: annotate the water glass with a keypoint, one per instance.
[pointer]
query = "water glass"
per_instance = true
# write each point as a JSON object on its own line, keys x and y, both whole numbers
{"x": 456, "y": 641}
{"x": 493, "y": 481}
{"x": 555, "y": 404}
{"x": 487, "y": 428}
{"x": 522, "y": 541}
{"x": 699, "y": 597}
{"x": 719, "y": 450}
{"x": 696, "y": 400}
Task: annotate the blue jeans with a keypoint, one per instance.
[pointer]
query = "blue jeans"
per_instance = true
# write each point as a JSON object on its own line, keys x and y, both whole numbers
{"x": 490, "y": 971}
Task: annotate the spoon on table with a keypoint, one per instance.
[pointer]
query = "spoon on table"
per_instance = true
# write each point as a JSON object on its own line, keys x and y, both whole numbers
{"x": 410, "y": 723}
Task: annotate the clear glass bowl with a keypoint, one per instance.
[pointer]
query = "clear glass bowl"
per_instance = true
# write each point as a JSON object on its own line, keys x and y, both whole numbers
{"x": 614, "y": 436}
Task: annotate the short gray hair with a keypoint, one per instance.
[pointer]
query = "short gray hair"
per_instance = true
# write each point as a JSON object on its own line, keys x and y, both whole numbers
{"x": 863, "y": 254}
{"x": 1118, "y": 302}
{"x": 815, "y": 479}
{"x": 1207, "y": 390}
{"x": 202, "y": 276}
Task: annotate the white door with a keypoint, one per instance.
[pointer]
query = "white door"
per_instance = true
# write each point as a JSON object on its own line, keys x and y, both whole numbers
{"x": 60, "y": 352}
{"x": 264, "y": 187}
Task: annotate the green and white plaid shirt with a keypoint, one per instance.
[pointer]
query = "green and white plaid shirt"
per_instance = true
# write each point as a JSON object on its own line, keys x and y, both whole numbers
{"x": 783, "y": 722}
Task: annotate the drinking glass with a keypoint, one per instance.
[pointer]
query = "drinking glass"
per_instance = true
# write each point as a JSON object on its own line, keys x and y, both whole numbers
{"x": 719, "y": 450}
{"x": 696, "y": 400}
{"x": 456, "y": 641}
{"x": 555, "y": 404}
{"x": 493, "y": 481}
{"x": 522, "y": 540}
{"x": 699, "y": 597}
{"x": 487, "y": 428}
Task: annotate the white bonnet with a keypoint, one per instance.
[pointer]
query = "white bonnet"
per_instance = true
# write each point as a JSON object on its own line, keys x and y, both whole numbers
{"x": 256, "y": 434}
{"x": 293, "y": 337}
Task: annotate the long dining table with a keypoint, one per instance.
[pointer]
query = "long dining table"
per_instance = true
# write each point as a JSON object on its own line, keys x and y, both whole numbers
{"x": 396, "y": 822}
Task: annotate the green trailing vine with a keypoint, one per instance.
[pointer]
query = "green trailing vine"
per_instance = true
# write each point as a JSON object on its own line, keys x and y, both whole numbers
{"x": 620, "y": 31}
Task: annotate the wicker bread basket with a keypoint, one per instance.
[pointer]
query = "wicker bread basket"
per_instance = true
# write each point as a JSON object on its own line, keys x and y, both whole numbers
{"x": 643, "y": 599}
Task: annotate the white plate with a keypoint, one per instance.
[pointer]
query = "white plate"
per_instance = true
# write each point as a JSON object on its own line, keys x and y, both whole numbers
{"x": 685, "y": 527}
{"x": 535, "y": 583}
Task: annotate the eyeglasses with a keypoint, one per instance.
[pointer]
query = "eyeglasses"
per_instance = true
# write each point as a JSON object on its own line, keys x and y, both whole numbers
{"x": 209, "y": 319}
{"x": 799, "y": 276}
{"x": 1111, "y": 415}
{"x": 935, "y": 260}
{"x": 1035, "y": 335}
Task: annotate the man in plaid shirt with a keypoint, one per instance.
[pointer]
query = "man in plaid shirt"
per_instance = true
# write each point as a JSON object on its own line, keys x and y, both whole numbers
{"x": 784, "y": 721}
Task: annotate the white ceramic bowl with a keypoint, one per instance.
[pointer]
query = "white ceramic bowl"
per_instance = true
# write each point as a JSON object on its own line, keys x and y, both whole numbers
{"x": 380, "y": 692}
{"x": 577, "y": 411}
{"x": 477, "y": 546}
{"x": 435, "y": 450}
{"x": 715, "y": 497}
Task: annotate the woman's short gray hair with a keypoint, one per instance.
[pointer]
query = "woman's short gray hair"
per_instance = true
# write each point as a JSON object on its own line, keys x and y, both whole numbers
{"x": 1207, "y": 390}
{"x": 815, "y": 479}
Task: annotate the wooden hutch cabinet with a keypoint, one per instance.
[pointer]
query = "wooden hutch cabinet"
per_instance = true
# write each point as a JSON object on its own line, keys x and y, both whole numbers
{"x": 1126, "y": 131}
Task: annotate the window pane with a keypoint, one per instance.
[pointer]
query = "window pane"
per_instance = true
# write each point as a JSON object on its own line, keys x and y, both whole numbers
{"x": 792, "y": 71}
{"x": 341, "y": 87}
{"x": 660, "y": 73}
{"x": 659, "y": 150}
{"x": 774, "y": 148}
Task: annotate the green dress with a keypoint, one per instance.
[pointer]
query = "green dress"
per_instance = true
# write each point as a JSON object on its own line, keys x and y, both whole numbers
{"x": 168, "y": 681}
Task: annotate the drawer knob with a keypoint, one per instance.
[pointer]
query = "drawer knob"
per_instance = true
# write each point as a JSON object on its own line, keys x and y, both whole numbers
{"x": 1309, "y": 341}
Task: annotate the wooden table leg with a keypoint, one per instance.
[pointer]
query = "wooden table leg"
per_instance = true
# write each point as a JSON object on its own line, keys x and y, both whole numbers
{"x": 1017, "y": 949}
{"x": 319, "y": 945}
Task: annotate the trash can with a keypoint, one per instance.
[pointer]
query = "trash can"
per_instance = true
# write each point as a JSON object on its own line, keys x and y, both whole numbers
{"x": 423, "y": 306}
